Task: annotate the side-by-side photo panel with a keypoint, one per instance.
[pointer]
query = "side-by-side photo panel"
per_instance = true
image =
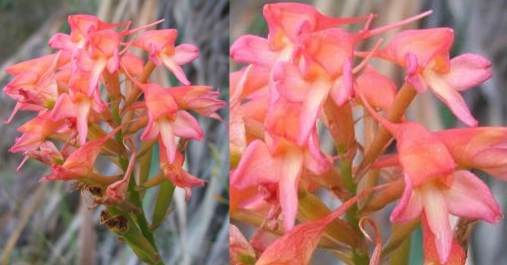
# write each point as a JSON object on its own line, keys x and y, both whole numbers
{"x": 367, "y": 132}
{"x": 114, "y": 147}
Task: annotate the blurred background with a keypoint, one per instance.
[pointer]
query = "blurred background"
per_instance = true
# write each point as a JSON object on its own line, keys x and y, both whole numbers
{"x": 480, "y": 27}
{"x": 48, "y": 223}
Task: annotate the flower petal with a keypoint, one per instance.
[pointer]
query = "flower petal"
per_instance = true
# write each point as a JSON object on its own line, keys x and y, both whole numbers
{"x": 425, "y": 44}
{"x": 469, "y": 197}
{"x": 253, "y": 50}
{"x": 290, "y": 173}
{"x": 467, "y": 71}
{"x": 185, "y": 53}
{"x": 410, "y": 206}
{"x": 437, "y": 215}
{"x": 450, "y": 97}
{"x": 256, "y": 166}
{"x": 186, "y": 126}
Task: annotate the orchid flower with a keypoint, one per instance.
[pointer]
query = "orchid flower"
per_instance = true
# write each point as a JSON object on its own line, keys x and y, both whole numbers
{"x": 79, "y": 164}
{"x": 282, "y": 166}
{"x": 78, "y": 105}
{"x": 34, "y": 85}
{"x": 35, "y": 132}
{"x": 176, "y": 174}
{"x": 81, "y": 26}
{"x": 160, "y": 44}
{"x": 478, "y": 148}
{"x": 167, "y": 121}
{"x": 434, "y": 186}
{"x": 286, "y": 22}
{"x": 425, "y": 56}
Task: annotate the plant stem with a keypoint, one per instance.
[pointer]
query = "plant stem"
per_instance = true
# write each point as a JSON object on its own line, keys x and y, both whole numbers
{"x": 401, "y": 102}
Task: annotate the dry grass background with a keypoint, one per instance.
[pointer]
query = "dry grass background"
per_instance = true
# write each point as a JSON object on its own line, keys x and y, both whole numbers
{"x": 480, "y": 27}
{"x": 47, "y": 223}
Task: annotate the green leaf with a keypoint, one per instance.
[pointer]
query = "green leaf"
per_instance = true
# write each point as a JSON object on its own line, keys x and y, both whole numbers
{"x": 164, "y": 198}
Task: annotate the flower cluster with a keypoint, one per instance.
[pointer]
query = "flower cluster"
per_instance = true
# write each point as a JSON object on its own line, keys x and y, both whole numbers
{"x": 93, "y": 96}
{"x": 309, "y": 74}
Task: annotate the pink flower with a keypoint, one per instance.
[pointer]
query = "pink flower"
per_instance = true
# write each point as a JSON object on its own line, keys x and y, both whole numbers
{"x": 160, "y": 44}
{"x": 81, "y": 26}
{"x": 176, "y": 174}
{"x": 34, "y": 86}
{"x": 79, "y": 164}
{"x": 78, "y": 105}
{"x": 482, "y": 148}
{"x": 281, "y": 165}
{"x": 167, "y": 121}
{"x": 35, "y": 132}
{"x": 425, "y": 56}
{"x": 434, "y": 186}
{"x": 286, "y": 23}
{"x": 201, "y": 99}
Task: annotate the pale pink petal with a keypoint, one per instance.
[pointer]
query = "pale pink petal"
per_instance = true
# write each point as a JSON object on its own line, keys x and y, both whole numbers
{"x": 314, "y": 160}
{"x": 457, "y": 255}
{"x": 256, "y": 166}
{"x": 151, "y": 131}
{"x": 467, "y": 71}
{"x": 436, "y": 212}
{"x": 97, "y": 70}
{"x": 175, "y": 69}
{"x": 252, "y": 49}
{"x": 185, "y": 53}
{"x": 288, "y": 187}
{"x": 186, "y": 126}
{"x": 451, "y": 98}
{"x": 469, "y": 197}
{"x": 62, "y": 41}
{"x": 83, "y": 109}
{"x": 168, "y": 140}
{"x": 310, "y": 111}
{"x": 410, "y": 205}
{"x": 342, "y": 89}
{"x": 64, "y": 108}
{"x": 290, "y": 83}
{"x": 425, "y": 44}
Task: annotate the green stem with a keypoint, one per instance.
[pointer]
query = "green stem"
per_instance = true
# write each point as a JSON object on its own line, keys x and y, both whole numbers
{"x": 134, "y": 198}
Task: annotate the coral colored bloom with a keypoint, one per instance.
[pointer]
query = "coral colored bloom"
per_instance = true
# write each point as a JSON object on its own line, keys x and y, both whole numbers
{"x": 167, "y": 121}
{"x": 101, "y": 55}
{"x": 117, "y": 191}
{"x": 248, "y": 104}
{"x": 160, "y": 44}
{"x": 425, "y": 55}
{"x": 281, "y": 166}
{"x": 176, "y": 174}
{"x": 35, "y": 132}
{"x": 201, "y": 99}
{"x": 434, "y": 187}
{"x": 34, "y": 86}
{"x": 81, "y": 26}
{"x": 79, "y": 163}
{"x": 482, "y": 148}
{"x": 286, "y": 23}
{"x": 78, "y": 106}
